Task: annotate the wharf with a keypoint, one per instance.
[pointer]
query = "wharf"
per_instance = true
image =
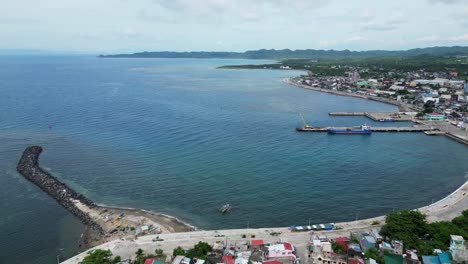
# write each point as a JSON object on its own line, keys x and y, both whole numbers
{"x": 377, "y": 116}
{"x": 374, "y": 129}
{"x": 347, "y": 113}
{"x": 434, "y": 133}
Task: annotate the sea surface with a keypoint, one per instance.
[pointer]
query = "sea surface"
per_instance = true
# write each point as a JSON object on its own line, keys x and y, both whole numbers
{"x": 179, "y": 136}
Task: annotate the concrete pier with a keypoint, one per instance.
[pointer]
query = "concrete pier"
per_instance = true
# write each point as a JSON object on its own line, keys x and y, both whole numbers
{"x": 347, "y": 113}
{"x": 374, "y": 129}
{"x": 377, "y": 116}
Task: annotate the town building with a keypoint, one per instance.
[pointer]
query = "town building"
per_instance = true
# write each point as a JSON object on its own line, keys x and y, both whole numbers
{"x": 354, "y": 77}
{"x": 458, "y": 248}
{"x": 283, "y": 252}
{"x": 434, "y": 116}
{"x": 441, "y": 258}
{"x": 323, "y": 253}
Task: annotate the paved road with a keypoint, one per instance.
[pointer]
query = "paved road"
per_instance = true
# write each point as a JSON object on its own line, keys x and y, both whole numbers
{"x": 445, "y": 209}
{"x": 126, "y": 248}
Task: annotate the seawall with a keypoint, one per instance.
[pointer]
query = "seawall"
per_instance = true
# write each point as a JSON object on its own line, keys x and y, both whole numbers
{"x": 28, "y": 166}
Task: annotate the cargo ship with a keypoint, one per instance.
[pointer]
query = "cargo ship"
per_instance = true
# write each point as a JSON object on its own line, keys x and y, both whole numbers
{"x": 365, "y": 129}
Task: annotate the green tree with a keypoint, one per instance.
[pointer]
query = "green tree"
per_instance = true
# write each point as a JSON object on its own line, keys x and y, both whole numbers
{"x": 140, "y": 256}
{"x": 178, "y": 251}
{"x": 462, "y": 222}
{"x": 338, "y": 248}
{"x": 407, "y": 226}
{"x": 159, "y": 253}
{"x": 429, "y": 107}
{"x": 403, "y": 92}
{"x": 99, "y": 256}
{"x": 373, "y": 253}
{"x": 199, "y": 250}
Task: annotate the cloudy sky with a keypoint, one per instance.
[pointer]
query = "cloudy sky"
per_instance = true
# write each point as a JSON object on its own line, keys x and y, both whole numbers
{"x": 109, "y": 26}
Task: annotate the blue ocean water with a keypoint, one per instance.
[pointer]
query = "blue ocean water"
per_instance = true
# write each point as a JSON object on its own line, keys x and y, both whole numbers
{"x": 181, "y": 137}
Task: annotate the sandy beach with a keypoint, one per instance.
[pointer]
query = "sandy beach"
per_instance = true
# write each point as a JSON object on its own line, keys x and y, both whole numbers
{"x": 123, "y": 223}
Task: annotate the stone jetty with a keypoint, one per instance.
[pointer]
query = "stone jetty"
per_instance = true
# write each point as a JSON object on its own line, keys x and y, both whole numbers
{"x": 28, "y": 166}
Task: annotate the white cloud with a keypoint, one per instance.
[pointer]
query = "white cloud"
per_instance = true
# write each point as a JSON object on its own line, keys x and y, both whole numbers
{"x": 447, "y": 1}
{"x": 431, "y": 38}
{"x": 357, "y": 38}
{"x": 463, "y": 37}
{"x": 126, "y": 25}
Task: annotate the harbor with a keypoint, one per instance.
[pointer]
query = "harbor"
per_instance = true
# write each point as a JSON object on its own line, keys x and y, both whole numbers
{"x": 374, "y": 129}
{"x": 428, "y": 127}
{"x": 380, "y": 116}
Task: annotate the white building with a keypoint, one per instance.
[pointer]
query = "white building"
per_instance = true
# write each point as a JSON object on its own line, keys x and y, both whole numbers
{"x": 430, "y": 98}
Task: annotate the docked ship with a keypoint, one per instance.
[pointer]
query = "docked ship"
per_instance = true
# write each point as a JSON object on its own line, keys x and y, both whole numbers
{"x": 365, "y": 129}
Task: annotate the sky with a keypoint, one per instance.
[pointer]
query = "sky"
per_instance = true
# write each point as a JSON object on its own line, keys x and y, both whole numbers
{"x": 125, "y": 26}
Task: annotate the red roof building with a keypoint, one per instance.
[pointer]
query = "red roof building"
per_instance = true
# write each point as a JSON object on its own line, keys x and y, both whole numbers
{"x": 343, "y": 241}
{"x": 228, "y": 259}
{"x": 258, "y": 242}
{"x": 148, "y": 261}
{"x": 287, "y": 246}
{"x": 355, "y": 261}
{"x": 272, "y": 262}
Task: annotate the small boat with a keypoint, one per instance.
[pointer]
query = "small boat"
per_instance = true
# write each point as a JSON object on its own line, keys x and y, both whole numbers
{"x": 225, "y": 209}
{"x": 387, "y": 120}
{"x": 364, "y": 129}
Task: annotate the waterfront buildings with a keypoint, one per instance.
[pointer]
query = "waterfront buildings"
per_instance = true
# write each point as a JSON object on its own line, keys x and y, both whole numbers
{"x": 434, "y": 116}
{"x": 354, "y": 76}
{"x": 281, "y": 251}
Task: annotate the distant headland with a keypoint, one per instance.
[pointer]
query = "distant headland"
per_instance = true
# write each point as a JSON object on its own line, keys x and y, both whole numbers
{"x": 296, "y": 54}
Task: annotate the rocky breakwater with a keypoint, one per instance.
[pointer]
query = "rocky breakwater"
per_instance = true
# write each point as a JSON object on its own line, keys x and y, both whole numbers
{"x": 28, "y": 166}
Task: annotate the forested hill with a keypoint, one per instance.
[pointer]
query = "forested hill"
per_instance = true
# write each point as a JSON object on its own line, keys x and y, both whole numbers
{"x": 297, "y": 54}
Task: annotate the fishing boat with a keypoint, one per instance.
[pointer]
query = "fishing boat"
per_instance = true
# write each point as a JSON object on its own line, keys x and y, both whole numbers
{"x": 225, "y": 209}
{"x": 364, "y": 129}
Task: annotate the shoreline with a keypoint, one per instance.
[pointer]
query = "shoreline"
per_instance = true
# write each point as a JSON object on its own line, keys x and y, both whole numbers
{"x": 150, "y": 212}
{"x": 105, "y": 227}
{"x": 101, "y": 223}
{"x": 444, "y": 209}
{"x": 401, "y": 107}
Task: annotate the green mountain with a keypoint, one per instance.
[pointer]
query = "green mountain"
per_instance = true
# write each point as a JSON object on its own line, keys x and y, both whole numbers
{"x": 297, "y": 54}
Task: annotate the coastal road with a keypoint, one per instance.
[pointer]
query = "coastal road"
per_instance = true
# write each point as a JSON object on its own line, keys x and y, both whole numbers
{"x": 127, "y": 248}
{"x": 443, "y": 210}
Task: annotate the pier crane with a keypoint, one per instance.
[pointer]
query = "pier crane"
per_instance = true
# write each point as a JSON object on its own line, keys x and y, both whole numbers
{"x": 303, "y": 120}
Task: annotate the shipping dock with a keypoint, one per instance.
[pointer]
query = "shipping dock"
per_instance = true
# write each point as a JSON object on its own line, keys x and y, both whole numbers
{"x": 374, "y": 129}
{"x": 378, "y": 116}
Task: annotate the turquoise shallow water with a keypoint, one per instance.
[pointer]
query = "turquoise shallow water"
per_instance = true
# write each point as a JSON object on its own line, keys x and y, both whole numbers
{"x": 181, "y": 137}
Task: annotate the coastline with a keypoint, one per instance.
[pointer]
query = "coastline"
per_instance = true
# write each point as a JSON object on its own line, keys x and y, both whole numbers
{"x": 102, "y": 223}
{"x": 149, "y": 212}
{"x": 443, "y": 210}
{"x": 107, "y": 226}
{"x": 401, "y": 107}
